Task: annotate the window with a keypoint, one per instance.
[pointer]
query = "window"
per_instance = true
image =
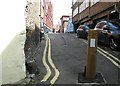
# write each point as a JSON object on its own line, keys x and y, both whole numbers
{"x": 87, "y": 3}
{"x": 94, "y": 2}
{"x": 84, "y": 5}
{"x": 42, "y": 3}
{"x": 74, "y": 1}
{"x": 75, "y": 11}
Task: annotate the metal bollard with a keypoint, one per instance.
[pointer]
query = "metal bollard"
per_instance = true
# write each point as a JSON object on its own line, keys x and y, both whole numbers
{"x": 90, "y": 69}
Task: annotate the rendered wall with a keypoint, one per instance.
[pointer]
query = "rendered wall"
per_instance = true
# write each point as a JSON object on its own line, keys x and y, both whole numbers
{"x": 12, "y": 39}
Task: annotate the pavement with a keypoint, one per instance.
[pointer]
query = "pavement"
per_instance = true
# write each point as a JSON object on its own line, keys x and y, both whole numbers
{"x": 62, "y": 57}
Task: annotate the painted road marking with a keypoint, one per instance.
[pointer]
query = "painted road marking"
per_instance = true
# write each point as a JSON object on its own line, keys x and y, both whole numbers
{"x": 48, "y": 44}
{"x": 108, "y": 57}
{"x": 45, "y": 63}
{"x": 52, "y": 64}
{"x": 116, "y": 64}
{"x": 115, "y": 58}
{"x": 109, "y": 54}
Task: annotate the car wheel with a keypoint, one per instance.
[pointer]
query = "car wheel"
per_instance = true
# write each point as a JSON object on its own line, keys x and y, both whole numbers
{"x": 113, "y": 44}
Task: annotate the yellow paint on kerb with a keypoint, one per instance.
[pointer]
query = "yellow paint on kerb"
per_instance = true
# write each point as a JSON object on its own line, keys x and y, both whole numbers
{"x": 52, "y": 64}
{"x": 48, "y": 43}
{"x": 45, "y": 63}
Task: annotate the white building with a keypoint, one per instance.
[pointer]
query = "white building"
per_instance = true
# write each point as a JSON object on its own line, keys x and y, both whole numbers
{"x": 12, "y": 39}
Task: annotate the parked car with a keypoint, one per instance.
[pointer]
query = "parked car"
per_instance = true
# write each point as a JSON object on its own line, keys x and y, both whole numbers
{"x": 109, "y": 33}
{"x": 82, "y": 30}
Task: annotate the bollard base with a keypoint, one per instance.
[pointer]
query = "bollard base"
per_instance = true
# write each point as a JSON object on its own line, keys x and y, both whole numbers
{"x": 98, "y": 79}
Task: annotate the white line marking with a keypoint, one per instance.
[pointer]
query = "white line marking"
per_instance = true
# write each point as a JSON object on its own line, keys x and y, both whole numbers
{"x": 116, "y": 64}
{"x": 109, "y": 54}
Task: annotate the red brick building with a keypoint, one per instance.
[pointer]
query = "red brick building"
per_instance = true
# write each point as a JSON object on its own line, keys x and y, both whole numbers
{"x": 48, "y": 14}
{"x": 64, "y": 20}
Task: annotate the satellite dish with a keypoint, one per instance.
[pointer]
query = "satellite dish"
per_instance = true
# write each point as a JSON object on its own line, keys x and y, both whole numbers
{"x": 117, "y": 6}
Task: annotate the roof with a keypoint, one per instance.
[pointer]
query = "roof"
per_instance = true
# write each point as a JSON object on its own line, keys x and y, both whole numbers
{"x": 64, "y": 16}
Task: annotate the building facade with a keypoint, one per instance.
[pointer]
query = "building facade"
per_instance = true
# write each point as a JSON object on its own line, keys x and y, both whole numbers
{"x": 93, "y": 11}
{"x": 41, "y": 13}
{"x": 64, "y": 21}
{"x": 12, "y": 37}
{"x": 57, "y": 27}
{"x": 48, "y": 14}
{"x": 32, "y": 14}
{"x": 70, "y": 27}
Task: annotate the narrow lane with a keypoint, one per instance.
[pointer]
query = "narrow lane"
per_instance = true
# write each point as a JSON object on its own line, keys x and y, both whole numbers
{"x": 66, "y": 57}
{"x": 69, "y": 55}
{"x": 53, "y": 65}
{"x": 49, "y": 58}
{"x": 45, "y": 63}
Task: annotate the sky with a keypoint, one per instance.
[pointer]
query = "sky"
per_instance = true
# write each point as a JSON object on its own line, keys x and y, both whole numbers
{"x": 61, "y": 7}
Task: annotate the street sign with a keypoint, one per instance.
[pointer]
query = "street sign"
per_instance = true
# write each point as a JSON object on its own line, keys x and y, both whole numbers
{"x": 92, "y": 42}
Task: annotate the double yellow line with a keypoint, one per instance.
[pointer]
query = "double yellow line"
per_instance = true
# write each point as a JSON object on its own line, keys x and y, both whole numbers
{"x": 46, "y": 77}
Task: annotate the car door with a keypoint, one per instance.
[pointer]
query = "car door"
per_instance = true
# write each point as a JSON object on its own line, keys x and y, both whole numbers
{"x": 100, "y": 29}
{"x": 80, "y": 31}
{"x": 105, "y": 33}
{"x": 84, "y": 32}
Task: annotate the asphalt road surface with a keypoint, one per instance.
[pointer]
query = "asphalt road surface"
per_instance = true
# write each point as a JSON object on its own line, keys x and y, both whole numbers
{"x": 62, "y": 56}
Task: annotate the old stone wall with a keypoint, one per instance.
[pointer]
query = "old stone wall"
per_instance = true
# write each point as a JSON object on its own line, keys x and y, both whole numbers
{"x": 32, "y": 14}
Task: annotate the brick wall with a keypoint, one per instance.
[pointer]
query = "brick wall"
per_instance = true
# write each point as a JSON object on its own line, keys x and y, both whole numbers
{"x": 48, "y": 14}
